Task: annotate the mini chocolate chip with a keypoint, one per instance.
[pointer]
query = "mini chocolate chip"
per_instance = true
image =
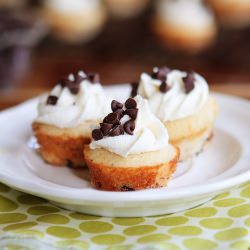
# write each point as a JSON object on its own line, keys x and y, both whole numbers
{"x": 189, "y": 82}
{"x": 74, "y": 88}
{"x": 105, "y": 128}
{"x": 132, "y": 113}
{"x": 70, "y": 164}
{"x": 129, "y": 127}
{"x": 97, "y": 134}
{"x": 116, "y": 131}
{"x": 94, "y": 77}
{"x": 112, "y": 118}
{"x": 126, "y": 188}
{"x": 120, "y": 113}
{"x": 116, "y": 105}
{"x": 52, "y": 100}
{"x": 78, "y": 78}
{"x": 164, "y": 88}
{"x": 130, "y": 104}
{"x": 161, "y": 73}
{"x": 134, "y": 89}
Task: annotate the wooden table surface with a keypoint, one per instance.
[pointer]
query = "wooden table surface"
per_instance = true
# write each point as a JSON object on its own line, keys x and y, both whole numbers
{"x": 124, "y": 50}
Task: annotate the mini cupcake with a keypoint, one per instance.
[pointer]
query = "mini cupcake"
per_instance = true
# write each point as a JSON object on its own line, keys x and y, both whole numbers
{"x": 126, "y": 8}
{"x": 184, "y": 25}
{"x": 233, "y": 13}
{"x": 74, "y": 21}
{"x": 182, "y": 102}
{"x": 130, "y": 150}
{"x": 65, "y": 116}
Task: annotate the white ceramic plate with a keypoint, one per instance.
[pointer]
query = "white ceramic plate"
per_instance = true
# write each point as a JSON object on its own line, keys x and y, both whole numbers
{"x": 223, "y": 165}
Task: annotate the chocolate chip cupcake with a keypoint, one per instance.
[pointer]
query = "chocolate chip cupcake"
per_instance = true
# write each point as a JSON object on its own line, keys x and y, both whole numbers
{"x": 74, "y": 21}
{"x": 232, "y": 13}
{"x": 130, "y": 149}
{"x": 184, "y": 25}
{"x": 181, "y": 100}
{"x": 126, "y": 8}
{"x": 65, "y": 116}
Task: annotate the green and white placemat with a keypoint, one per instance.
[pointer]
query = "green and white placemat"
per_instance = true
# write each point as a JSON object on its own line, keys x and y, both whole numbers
{"x": 28, "y": 222}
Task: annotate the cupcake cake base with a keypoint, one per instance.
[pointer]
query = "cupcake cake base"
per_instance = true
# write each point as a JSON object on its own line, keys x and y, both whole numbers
{"x": 62, "y": 147}
{"x": 112, "y": 172}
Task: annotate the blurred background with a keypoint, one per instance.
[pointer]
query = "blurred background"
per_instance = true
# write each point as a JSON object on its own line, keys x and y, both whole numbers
{"x": 42, "y": 41}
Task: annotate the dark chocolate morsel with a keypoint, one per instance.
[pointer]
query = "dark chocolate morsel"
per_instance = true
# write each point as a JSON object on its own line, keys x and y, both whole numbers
{"x": 126, "y": 188}
{"x": 116, "y": 105}
{"x": 134, "y": 89}
{"x": 189, "y": 82}
{"x": 161, "y": 73}
{"x": 97, "y": 134}
{"x": 130, "y": 104}
{"x": 129, "y": 127}
{"x": 52, "y": 100}
{"x": 94, "y": 77}
{"x": 164, "y": 88}
{"x": 112, "y": 118}
{"x": 132, "y": 113}
{"x": 120, "y": 113}
{"x": 116, "y": 131}
{"x": 105, "y": 128}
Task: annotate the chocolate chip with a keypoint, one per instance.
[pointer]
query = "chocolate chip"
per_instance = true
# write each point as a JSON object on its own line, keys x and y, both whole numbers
{"x": 161, "y": 73}
{"x": 189, "y": 82}
{"x": 130, "y": 104}
{"x": 112, "y": 118}
{"x": 132, "y": 113}
{"x": 164, "y": 88}
{"x": 120, "y": 113}
{"x": 129, "y": 127}
{"x": 126, "y": 188}
{"x": 70, "y": 164}
{"x": 78, "y": 78}
{"x": 52, "y": 100}
{"x": 116, "y": 105}
{"x": 116, "y": 131}
{"x": 74, "y": 88}
{"x": 105, "y": 128}
{"x": 93, "y": 77}
{"x": 97, "y": 134}
{"x": 135, "y": 86}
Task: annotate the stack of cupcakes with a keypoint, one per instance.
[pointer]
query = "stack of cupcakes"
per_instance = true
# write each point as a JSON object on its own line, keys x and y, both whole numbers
{"x": 168, "y": 119}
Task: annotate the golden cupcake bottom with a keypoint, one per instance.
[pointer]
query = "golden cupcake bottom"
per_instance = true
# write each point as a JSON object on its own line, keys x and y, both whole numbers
{"x": 232, "y": 13}
{"x": 79, "y": 26}
{"x": 190, "y": 134}
{"x": 126, "y": 8}
{"x": 111, "y": 172}
{"x": 62, "y": 147}
{"x": 179, "y": 38}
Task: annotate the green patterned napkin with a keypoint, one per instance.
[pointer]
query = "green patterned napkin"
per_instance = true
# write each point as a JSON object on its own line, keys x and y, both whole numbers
{"x": 28, "y": 222}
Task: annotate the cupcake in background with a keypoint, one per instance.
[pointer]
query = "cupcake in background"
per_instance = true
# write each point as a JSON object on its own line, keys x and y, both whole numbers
{"x": 181, "y": 100}
{"x": 65, "y": 117}
{"x": 232, "y": 13}
{"x": 130, "y": 149}
{"x": 184, "y": 25}
{"x": 126, "y": 8}
{"x": 74, "y": 21}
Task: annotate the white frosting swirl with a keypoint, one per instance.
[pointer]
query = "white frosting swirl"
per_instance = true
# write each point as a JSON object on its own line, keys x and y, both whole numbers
{"x": 185, "y": 13}
{"x": 149, "y": 134}
{"x": 68, "y": 6}
{"x": 89, "y": 104}
{"x": 175, "y": 103}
